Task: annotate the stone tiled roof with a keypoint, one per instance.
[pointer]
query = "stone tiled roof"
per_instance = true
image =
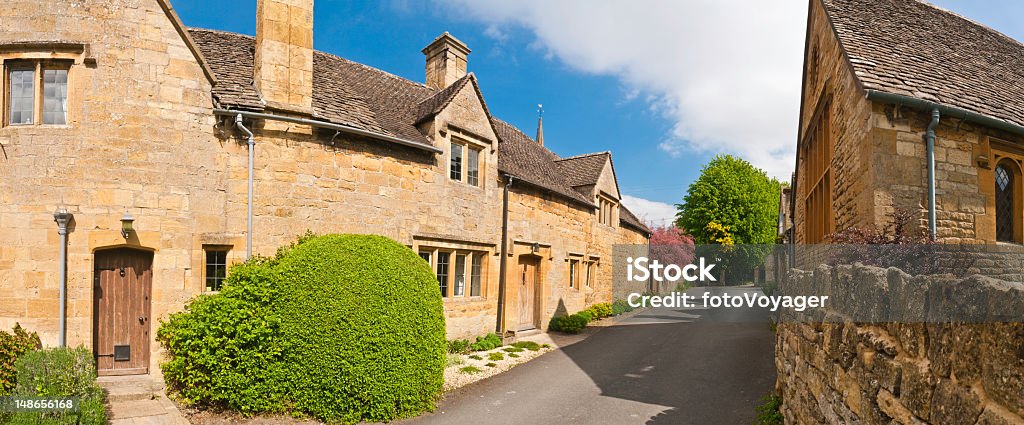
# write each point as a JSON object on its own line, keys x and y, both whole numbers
{"x": 583, "y": 170}
{"x": 531, "y": 162}
{"x": 353, "y": 94}
{"x": 626, "y": 217}
{"x": 433, "y": 105}
{"x": 911, "y": 48}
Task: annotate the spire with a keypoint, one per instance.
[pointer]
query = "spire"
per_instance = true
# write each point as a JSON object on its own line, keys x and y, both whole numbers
{"x": 540, "y": 124}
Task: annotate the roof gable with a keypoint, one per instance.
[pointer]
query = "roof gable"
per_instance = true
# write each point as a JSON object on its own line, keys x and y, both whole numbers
{"x": 911, "y": 48}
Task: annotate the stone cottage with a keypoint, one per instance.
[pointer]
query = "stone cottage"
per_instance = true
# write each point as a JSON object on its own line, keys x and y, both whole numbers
{"x": 906, "y": 105}
{"x": 165, "y": 154}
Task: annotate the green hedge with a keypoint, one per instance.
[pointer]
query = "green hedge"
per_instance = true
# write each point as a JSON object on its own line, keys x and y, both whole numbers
{"x": 574, "y": 323}
{"x": 60, "y": 372}
{"x": 345, "y": 328}
{"x": 12, "y": 346}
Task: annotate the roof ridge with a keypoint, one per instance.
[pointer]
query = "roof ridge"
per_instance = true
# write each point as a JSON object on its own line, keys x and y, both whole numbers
{"x": 972, "y": 21}
{"x": 585, "y": 155}
{"x": 315, "y": 51}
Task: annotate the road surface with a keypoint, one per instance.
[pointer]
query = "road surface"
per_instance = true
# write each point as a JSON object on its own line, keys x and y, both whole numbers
{"x": 661, "y": 366}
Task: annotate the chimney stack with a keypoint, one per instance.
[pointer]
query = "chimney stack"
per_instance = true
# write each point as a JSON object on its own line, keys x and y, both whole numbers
{"x": 446, "y": 61}
{"x": 283, "y": 69}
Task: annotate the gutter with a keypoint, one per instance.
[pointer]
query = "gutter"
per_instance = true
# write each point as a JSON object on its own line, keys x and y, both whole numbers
{"x": 328, "y": 125}
{"x": 937, "y": 110}
{"x": 503, "y": 263}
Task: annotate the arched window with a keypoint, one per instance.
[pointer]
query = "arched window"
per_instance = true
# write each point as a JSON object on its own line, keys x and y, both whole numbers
{"x": 1007, "y": 191}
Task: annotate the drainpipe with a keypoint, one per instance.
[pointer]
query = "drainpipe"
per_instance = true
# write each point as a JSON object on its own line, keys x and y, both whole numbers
{"x": 62, "y": 217}
{"x": 500, "y": 326}
{"x": 252, "y": 148}
{"x": 930, "y": 139}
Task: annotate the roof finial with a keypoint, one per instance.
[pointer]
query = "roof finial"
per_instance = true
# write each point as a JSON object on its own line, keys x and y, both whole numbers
{"x": 540, "y": 124}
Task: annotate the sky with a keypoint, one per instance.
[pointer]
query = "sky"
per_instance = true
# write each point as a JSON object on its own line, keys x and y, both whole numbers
{"x": 663, "y": 84}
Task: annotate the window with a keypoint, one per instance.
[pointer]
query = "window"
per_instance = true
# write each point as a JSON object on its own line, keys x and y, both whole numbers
{"x": 817, "y": 159}
{"x": 590, "y": 266}
{"x": 465, "y": 163}
{"x": 573, "y": 272}
{"x": 216, "y": 267}
{"x": 37, "y": 91}
{"x": 442, "y": 272}
{"x": 473, "y": 168}
{"x": 605, "y": 210}
{"x": 475, "y": 274}
{"x": 454, "y": 268}
{"x": 1007, "y": 190}
{"x": 460, "y": 275}
{"x": 456, "y": 165}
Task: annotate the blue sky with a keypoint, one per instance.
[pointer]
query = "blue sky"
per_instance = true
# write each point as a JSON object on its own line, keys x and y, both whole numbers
{"x": 664, "y": 87}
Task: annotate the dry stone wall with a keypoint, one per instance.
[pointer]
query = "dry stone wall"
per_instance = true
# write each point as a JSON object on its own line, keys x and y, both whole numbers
{"x": 835, "y": 370}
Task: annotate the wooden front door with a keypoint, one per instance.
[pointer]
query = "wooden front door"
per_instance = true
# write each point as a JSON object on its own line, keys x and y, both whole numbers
{"x": 122, "y": 285}
{"x": 527, "y": 303}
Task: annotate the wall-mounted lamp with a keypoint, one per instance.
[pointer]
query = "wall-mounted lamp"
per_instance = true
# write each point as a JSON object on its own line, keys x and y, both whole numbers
{"x": 535, "y": 248}
{"x": 126, "y": 224}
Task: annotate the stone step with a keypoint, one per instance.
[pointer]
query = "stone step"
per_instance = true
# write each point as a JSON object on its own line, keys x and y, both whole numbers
{"x": 130, "y": 388}
{"x": 136, "y": 408}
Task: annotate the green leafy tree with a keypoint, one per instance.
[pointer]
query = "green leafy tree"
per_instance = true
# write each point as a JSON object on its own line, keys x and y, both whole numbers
{"x": 733, "y": 204}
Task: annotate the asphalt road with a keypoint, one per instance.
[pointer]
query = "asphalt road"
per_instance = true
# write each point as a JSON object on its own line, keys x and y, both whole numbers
{"x": 661, "y": 366}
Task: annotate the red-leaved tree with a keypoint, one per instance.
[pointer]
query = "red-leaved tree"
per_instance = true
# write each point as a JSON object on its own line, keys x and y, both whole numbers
{"x": 670, "y": 245}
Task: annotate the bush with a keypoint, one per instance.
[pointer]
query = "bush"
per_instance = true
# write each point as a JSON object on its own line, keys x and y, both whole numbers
{"x": 586, "y": 315}
{"x": 344, "y": 328}
{"x": 459, "y": 346}
{"x": 571, "y": 324}
{"x": 529, "y": 345}
{"x": 768, "y": 412}
{"x": 621, "y": 306}
{"x": 12, "y": 346}
{"x": 487, "y": 342}
{"x": 600, "y": 310}
{"x": 60, "y": 372}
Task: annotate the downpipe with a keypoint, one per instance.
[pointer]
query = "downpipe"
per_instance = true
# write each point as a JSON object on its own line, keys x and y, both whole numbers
{"x": 930, "y": 141}
{"x": 251, "y": 143}
{"x": 503, "y": 263}
{"x": 62, "y": 217}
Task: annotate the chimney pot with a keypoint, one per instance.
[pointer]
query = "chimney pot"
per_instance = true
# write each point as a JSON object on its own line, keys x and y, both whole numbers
{"x": 446, "y": 61}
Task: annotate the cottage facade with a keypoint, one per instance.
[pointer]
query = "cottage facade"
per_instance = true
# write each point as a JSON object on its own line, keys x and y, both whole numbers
{"x": 116, "y": 115}
{"x": 895, "y": 88}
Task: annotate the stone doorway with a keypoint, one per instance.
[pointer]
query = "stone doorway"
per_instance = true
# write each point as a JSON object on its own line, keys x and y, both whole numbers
{"x": 122, "y": 288}
{"x": 528, "y": 279}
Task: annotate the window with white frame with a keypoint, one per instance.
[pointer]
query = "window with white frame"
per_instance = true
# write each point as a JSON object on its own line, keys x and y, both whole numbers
{"x": 37, "y": 92}
{"x": 216, "y": 266}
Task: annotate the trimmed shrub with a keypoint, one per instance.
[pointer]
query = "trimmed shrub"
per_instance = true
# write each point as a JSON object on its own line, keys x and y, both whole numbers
{"x": 487, "y": 342}
{"x": 12, "y": 346}
{"x": 586, "y": 315}
{"x": 60, "y": 372}
{"x": 344, "y": 328}
{"x": 571, "y": 324}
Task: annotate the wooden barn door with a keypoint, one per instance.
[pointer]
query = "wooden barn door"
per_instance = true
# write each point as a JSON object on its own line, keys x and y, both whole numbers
{"x": 123, "y": 283}
{"x": 527, "y": 304}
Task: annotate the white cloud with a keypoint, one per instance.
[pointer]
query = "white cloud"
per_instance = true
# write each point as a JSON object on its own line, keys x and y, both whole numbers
{"x": 651, "y": 212}
{"x": 727, "y": 73}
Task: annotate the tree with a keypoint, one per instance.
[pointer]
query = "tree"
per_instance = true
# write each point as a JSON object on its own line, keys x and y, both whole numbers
{"x": 732, "y": 204}
{"x": 670, "y": 245}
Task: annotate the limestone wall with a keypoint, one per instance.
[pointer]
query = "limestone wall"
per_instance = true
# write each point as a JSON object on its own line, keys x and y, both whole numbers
{"x": 139, "y": 138}
{"x": 836, "y": 371}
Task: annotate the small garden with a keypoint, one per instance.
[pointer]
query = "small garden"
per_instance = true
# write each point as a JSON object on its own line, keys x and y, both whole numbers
{"x": 340, "y": 328}
{"x": 29, "y": 371}
{"x": 575, "y": 323}
{"x": 472, "y": 361}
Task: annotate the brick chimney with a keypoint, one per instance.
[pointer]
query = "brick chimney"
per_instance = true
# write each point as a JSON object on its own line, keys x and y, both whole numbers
{"x": 446, "y": 61}
{"x": 283, "y": 71}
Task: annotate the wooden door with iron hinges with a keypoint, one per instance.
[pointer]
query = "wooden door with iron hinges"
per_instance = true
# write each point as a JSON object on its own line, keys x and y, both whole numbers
{"x": 122, "y": 289}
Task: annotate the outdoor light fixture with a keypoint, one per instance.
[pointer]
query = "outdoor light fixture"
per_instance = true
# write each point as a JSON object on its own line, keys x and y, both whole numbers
{"x": 535, "y": 248}
{"x": 126, "y": 224}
